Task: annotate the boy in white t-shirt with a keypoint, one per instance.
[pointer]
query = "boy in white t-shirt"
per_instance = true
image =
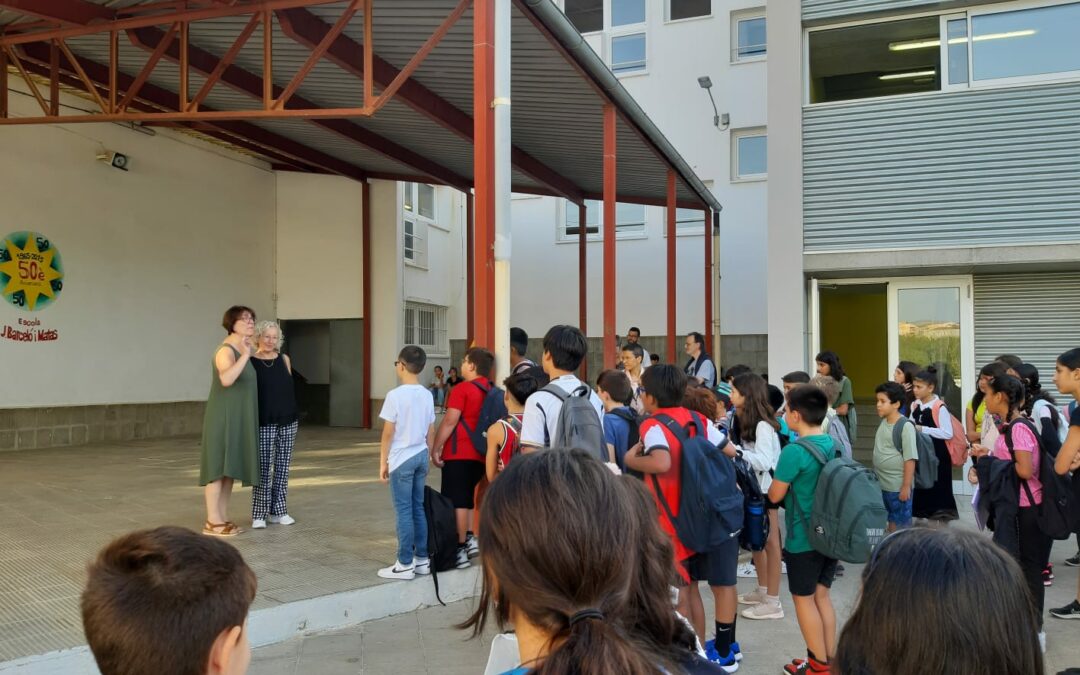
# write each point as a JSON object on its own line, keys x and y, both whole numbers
{"x": 565, "y": 348}
{"x": 408, "y": 416}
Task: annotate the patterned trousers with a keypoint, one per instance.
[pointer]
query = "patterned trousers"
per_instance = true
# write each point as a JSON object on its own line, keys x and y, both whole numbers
{"x": 275, "y": 452}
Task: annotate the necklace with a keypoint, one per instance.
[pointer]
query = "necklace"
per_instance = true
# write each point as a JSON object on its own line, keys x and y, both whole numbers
{"x": 264, "y": 363}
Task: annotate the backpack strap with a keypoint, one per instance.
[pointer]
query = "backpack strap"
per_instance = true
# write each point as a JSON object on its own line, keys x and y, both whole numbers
{"x": 813, "y": 450}
{"x": 556, "y": 391}
{"x": 681, "y": 435}
{"x": 898, "y": 434}
{"x": 1007, "y": 433}
{"x": 481, "y": 387}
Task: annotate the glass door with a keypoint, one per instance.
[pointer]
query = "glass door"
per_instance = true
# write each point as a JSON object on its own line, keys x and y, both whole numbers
{"x": 931, "y": 323}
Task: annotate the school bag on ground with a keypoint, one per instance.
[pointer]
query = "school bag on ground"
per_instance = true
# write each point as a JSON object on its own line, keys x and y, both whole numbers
{"x": 755, "y": 531}
{"x": 848, "y": 518}
{"x": 491, "y": 411}
{"x": 710, "y": 505}
{"x": 442, "y": 539}
{"x": 1057, "y": 515}
{"x": 578, "y": 425}
{"x": 927, "y": 463}
{"x": 958, "y": 444}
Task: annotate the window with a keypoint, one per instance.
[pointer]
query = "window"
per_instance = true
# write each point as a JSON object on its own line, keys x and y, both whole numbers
{"x": 750, "y": 154}
{"x": 413, "y": 235}
{"x": 688, "y": 9}
{"x": 748, "y": 36}
{"x": 586, "y": 15}
{"x": 690, "y": 220}
{"x": 628, "y": 53}
{"x": 425, "y": 326}
{"x": 418, "y": 212}
{"x": 627, "y": 12}
{"x": 629, "y": 219}
{"x": 1026, "y": 42}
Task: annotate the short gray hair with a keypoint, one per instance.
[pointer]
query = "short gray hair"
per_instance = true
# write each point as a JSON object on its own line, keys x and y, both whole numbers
{"x": 263, "y": 326}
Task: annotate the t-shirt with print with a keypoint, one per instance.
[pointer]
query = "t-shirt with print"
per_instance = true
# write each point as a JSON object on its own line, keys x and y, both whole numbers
{"x": 617, "y": 434}
{"x": 888, "y": 461}
{"x": 656, "y": 436}
{"x": 542, "y": 409}
{"x": 800, "y": 470}
{"x": 1024, "y": 440}
{"x": 468, "y": 397}
{"x": 411, "y": 410}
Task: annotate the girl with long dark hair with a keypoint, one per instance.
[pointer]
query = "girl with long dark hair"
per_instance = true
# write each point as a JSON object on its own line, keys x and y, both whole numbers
{"x": 828, "y": 363}
{"x": 936, "y": 503}
{"x": 904, "y": 375}
{"x": 977, "y": 428}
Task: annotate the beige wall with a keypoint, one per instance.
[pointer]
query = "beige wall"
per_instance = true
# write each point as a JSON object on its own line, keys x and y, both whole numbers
{"x": 320, "y": 242}
{"x": 386, "y": 287}
{"x": 152, "y": 257}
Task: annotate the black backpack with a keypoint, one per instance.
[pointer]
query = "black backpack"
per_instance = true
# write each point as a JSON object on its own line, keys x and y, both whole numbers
{"x": 442, "y": 538}
{"x": 1057, "y": 515}
{"x": 755, "y": 532}
{"x": 491, "y": 411}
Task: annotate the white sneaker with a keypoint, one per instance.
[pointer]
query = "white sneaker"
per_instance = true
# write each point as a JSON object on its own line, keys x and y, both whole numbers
{"x": 398, "y": 571}
{"x": 746, "y": 571}
{"x": 283, "y": 520}
{"x": 462, "y": 558}
{"x": 754, "y": 597}
{"x": 764, "y": 610}
{"x": 472, "y": 545}
{"x": 783, "y": 568}
{"x": 258, "y": 524}
{"x": 1042, "y": 641}
{"x": 422, "y": 566}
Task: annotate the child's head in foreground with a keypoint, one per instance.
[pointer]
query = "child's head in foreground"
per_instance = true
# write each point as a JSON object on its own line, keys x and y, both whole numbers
{"x": 168, "y": 601}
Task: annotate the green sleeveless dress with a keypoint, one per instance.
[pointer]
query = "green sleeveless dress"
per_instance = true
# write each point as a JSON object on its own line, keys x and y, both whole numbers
{"x": 230, "y": 440}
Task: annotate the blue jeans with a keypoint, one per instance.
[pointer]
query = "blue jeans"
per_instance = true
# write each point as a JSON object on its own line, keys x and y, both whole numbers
{"x": 407, "y": 490}
{"x": 439, "y": 395}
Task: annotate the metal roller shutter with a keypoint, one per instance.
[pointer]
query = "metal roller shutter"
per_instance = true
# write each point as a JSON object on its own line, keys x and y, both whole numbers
{"x": 1035, "y": 316}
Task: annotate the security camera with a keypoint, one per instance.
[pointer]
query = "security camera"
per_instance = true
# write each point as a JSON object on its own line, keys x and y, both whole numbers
{"x": 114, "y": 159}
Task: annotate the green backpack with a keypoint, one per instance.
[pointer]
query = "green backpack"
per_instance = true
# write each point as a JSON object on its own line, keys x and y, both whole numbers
{"x": 848, "y": 518}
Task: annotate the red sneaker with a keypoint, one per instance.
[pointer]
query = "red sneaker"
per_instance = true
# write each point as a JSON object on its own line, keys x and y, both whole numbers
{"x": 803, "y": 666}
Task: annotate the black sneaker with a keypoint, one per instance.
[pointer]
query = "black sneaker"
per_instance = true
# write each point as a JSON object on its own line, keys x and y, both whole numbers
{"x": 1069, "y": 611}
{"x": 1073, "y": 561}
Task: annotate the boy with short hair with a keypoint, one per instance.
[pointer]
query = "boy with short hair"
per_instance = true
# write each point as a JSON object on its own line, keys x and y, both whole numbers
{"x": 810, "y": 574}
{"x": 462, "y": 465}
{"x": 565, "y": 348}
{"x": 519, "y": 346}
{"x": 895, "y": 467}
{"x": 504, "y": 436}
{"x": 168, "y": 601}
{"x": 408, "y": 416}
{"x": 615, "y": 391}
{"x": 654, "y": 359}
{"x": 660, "y": 453}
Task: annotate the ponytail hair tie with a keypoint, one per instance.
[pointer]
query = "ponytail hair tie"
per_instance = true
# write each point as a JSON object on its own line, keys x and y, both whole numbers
{"x": 584, "y": 615}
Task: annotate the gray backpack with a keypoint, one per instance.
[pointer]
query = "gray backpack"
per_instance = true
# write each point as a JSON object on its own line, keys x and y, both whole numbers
{"x": 578, "y": 425}
{"x": 834, "y": 426}
{"x": 848, "y": 518}
{"x": 926, "y": 465}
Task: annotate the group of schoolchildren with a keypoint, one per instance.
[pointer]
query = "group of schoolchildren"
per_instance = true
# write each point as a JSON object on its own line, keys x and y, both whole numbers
{"x": 605, "y": 611}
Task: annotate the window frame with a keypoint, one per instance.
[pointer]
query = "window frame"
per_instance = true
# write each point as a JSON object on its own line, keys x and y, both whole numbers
{"x": 420, "y": 224}
{"x": 668, "y": 19}
{"x": 609, "y": 32}
{"x": 633, "y": 31}
{"x": 561, "y": 236}
{"x": 440, "y": 346}
{"x": 736, "y": 136}
{"x": 943, "y": 16}
{"x": 737, "y": 17}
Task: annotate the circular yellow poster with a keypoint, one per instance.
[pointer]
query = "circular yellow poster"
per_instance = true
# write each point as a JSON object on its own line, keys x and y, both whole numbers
{"x": 31, "y": 271}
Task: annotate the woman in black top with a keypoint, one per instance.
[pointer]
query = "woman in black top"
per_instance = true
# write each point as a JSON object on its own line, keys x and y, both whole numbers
{"x": 452, "y": 379}
{"x": 277, "y": 426}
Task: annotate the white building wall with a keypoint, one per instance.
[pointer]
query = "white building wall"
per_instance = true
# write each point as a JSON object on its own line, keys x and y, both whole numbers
{"x": 152, "y": 258}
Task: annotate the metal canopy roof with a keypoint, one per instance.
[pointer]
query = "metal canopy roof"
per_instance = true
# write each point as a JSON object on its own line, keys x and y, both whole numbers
{"x": 559, "y": 86}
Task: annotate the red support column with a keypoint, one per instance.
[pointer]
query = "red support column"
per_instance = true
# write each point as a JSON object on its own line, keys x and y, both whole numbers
{"x": 671, "y": 298}
{"x": 470, "y": 272}
{"x": 708, "y": 280}
{"x": 583, "y": 270}
{"x": 609, "y": 235}
{"x": 365, "y": 257}
{"x": 484, "y": 171}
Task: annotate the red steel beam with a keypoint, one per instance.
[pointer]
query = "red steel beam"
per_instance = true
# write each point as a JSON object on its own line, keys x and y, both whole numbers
{"x": 3, "y": 84}
{"x": 76, "y": 12}
{"x": 148, "y": 68}
{"x": 708, "y": 279}
{"x": 609, "y": 235}
{"x": 317, "y": 52}
{"x": 671, "y": 297}
{"x": 307, "y": 29}
{"x": 484, "y": 170}
{"x": 470, "y": 269}
{"x": 214, "y": 76}
{"x": 14, "y": 58}
{"x": 54, "y": 79}
{"x": 252, "y": 85}
{"x": 583, "y": 271}
{"x": 365, "y": 275}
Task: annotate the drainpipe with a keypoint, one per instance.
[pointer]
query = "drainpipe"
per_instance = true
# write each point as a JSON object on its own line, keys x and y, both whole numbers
{"x": 501, "y": 106}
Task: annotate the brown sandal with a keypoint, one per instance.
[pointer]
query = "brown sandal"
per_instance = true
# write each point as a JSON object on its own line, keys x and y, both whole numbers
{"x": 220, "y": 529}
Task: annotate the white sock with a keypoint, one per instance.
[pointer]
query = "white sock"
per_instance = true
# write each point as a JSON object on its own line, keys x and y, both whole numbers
{"x": 762, "y": 590}
{"x": 772, "y": 599}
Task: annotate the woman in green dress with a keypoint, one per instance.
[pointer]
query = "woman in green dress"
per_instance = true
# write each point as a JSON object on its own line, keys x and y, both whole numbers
{"x": 828, "y": 363}
{"x": 230, "y": 444}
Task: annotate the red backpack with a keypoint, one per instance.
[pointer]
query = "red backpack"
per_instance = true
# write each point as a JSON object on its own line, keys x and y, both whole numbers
{"x": 958, "y": 444}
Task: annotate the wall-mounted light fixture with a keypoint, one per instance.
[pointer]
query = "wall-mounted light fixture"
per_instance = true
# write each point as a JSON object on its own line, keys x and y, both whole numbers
{"x": 706, "y": 83}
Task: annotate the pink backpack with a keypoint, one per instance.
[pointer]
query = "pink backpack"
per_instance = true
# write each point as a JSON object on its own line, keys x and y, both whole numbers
{"x": 958, "y": 444}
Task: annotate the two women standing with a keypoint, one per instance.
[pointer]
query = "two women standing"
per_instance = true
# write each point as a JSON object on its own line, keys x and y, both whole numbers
{"x": 248, "y": 415}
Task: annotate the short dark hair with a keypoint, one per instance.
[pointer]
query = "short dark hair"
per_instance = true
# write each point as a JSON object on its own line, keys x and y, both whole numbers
{"x": 894, "y": 391}
{"x": 635, "y": 349}
{"x": 567, "y": 346}
{"x": 483, "y": 359}
{"x": 735, "y": 371}
{"x": 698, "y": 338}
{"x": 666, "y": 383}
{"x": 524, "y": 384}
{"x": 1011, "y": 360}
{"x": 776, "y": 396}
{"x": 617, "y": 386}
{"x": 810, "y": 402}
{"x": 796, "y": 377}
{"x": 634, "y": 329}
{"x": 233, "y": 314}
{"x": 519, "y": 340}
{"x": 928, "y": 376}
{"x": 413, "y": 358}
{"x": 437, "y": 368}
{"x": 156, "y": 600}
{"x": 655, "y": 358}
